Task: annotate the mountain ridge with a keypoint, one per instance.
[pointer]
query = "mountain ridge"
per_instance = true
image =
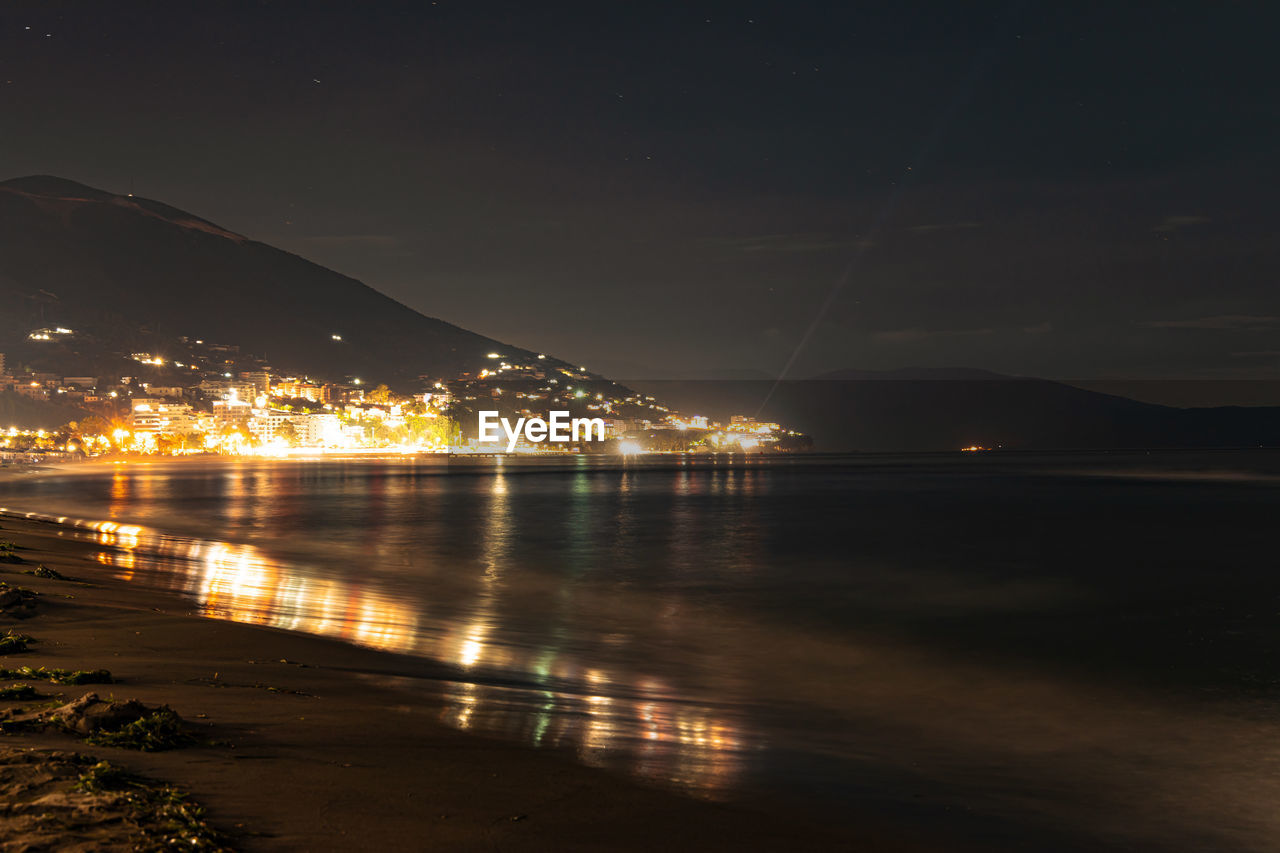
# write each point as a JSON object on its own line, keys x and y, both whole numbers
{"x": 915, "y": 374}
{"x": 88, "y": 259}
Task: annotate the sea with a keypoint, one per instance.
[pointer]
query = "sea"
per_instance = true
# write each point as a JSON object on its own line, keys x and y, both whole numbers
{"x": 1077, "y": 648}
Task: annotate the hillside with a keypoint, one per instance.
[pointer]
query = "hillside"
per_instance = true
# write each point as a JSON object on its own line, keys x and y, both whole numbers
{"x": 928, "y": 410}
{"x": 131, "y": 274}
{"x": 20, "y": 412}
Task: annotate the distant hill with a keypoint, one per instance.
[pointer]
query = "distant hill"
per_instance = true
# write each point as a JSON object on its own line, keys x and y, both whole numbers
{"x": 134, "y": 272}
{"x": 920, "y": 409}
{"x": 933, "y": 374}
{"x": 128, "y": 274}
{"x": 625, "y": 371}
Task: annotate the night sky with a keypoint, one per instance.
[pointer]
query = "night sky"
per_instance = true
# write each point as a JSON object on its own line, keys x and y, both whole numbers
{"x": 1082, "y": 191}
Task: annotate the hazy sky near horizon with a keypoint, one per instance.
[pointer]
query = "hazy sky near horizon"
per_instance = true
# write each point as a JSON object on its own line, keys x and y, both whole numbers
{"x": 1080, "y": 191}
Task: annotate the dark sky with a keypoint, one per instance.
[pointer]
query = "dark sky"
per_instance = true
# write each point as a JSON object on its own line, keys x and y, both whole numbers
{"x": 1069, "y": 190}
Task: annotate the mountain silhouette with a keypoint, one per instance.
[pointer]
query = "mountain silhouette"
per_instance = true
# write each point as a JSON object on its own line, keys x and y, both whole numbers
{"x": 132, "y": 273}
{"x": 931, "y": 409}
{"x": 129, "y": 274}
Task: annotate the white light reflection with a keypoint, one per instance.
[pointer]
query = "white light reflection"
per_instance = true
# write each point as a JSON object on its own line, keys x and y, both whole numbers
{"x": 471, "y": 648}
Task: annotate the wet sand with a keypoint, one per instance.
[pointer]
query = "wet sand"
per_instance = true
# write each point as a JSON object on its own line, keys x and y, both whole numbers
{"x": 318, "y": 756}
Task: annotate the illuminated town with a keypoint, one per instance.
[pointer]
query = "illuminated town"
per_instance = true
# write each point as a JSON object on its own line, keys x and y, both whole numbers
{"x": 209, "y": 398}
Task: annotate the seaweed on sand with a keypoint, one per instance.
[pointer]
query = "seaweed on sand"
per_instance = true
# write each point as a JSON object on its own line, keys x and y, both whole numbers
{"x": 59, "y": 676}
{"x": 16, "y": 600}
{"x": 43, "y": 571}
{"x": 12, "y": 642}
{"x": 105, "y": 722}
{"x": 157, "y": 731}
{"x": 19, "y": 692}
{"x": 165, "y": 817}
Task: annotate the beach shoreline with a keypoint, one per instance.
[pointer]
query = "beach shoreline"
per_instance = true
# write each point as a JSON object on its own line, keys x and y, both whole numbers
{"x": 319, "y": 755}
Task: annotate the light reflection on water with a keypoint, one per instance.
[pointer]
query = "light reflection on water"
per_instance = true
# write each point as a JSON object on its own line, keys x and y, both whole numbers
{"x": 970, "y": 636}
{"x": 632, "y": 721}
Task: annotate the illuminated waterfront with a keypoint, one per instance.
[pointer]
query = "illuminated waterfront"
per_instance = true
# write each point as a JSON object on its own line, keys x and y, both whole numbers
{"x": 817, "y": 629}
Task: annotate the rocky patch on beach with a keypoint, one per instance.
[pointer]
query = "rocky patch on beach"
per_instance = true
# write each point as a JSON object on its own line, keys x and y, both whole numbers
{"x": 54, "y": 800}
{"x": 43, "y": 571}
{"x": 9, "y": 553}
{"x": 64, "y": 801}
{"x": 104, "y": 722}
{"x": 17, "y": 602}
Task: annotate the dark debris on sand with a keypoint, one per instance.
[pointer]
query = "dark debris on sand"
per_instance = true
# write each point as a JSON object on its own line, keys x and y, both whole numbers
{"x": 43, "y": 571}
{"x": 17, "y": 602}
{"x": 103, "y": 722}
{"x": 65, "y": 801}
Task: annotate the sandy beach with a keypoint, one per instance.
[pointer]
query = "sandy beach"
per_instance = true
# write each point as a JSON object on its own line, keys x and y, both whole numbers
{"x": 315, "y": 754}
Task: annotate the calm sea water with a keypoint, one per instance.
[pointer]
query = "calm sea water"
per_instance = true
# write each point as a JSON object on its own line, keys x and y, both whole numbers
{"x": 1083, "y": 649}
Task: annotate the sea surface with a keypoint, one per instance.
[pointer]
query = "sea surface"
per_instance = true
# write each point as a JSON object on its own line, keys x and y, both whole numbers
{"x": 1082, "y": 649}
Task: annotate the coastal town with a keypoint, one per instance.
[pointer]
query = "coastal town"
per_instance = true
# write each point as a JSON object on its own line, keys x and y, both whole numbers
{"x": 202, "y": 397}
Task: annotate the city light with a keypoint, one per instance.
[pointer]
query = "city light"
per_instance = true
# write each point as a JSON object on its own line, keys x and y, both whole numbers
{"x": 225, "y": 403}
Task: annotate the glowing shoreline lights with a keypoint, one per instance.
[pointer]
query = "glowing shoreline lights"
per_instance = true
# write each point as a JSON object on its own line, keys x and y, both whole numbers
{"x": 648, "y": 731}
{"x": 555, "y": 409}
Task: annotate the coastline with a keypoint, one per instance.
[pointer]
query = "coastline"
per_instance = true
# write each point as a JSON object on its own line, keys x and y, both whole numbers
{"x": 319, "y": 755}
{"x": 943, "y": 748}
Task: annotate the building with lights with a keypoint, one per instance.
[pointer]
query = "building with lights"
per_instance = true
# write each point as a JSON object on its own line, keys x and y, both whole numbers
{"x": 226, "y": 389}
{"x": 745, "y": 423}
{"x": 153, "y": 415}
{"x": 298, "y": 389}
{"x": 260, "y": 379}
{"x": 233, "y": 412}
{"x": 308, "y": 430}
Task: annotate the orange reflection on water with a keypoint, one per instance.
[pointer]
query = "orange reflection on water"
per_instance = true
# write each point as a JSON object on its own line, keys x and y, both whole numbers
{"x": 116, "y": 535}
{"x": 649, "y": 733}
{"x": 120, "y": 560}
{"x": 238, "y": 583}
{"x": 120, "y": 484}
